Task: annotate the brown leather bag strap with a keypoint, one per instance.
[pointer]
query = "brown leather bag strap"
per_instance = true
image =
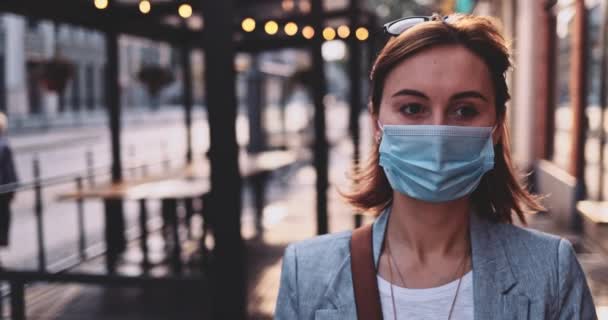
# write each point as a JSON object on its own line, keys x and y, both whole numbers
{"x": 367, "y": 296}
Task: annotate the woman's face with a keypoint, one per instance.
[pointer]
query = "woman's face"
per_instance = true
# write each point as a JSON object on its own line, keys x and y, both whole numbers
{"x": 445, "y": 85}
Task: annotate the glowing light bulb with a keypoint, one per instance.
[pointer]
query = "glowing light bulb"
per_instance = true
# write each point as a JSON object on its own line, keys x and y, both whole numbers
{"x": 362, "y": 33}
{"x": 291, "y": 28}
{"x": 185, "y": 11}
{"x": 248, "y": 24}
{"x": 329, "y": 33}
{"x": 271, "y": 27}
{"x": 101, "y": 4}
{"x": 308, "y": 32}
{"x": 343, "y": 31}
{"x": 145, "y": 6}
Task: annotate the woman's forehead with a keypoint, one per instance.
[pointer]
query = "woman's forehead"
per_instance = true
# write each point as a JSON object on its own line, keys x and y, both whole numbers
{"x": 443, "y": 69}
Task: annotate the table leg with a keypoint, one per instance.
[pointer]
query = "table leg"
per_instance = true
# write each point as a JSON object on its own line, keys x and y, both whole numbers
{"x": 206, "y": 214}
{"x": 259, "y": 192}
{"x": 170, "y": 213}
{"x": 143, "y": 226}
{"x": 189, "y": 207}
{"x": 114, "y": 232}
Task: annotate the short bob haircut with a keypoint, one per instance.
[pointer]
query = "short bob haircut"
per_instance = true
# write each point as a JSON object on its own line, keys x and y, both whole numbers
{"x": 500, "y": 193}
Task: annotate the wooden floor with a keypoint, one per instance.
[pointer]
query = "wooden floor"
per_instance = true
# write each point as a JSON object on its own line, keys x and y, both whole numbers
{"x": 59, "y": 301}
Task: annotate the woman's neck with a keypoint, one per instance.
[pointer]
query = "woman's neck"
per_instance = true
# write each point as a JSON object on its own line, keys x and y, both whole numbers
{"x": 429, "y": 230}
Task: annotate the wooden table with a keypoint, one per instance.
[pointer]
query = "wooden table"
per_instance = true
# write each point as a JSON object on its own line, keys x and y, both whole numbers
{"x": 189, "y": 182}
{"x": 169, "y": 192}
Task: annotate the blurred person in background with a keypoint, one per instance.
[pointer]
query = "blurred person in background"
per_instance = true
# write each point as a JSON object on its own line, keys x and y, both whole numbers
{"x": 444, "y": 192}
{"x": 8, "y": 175}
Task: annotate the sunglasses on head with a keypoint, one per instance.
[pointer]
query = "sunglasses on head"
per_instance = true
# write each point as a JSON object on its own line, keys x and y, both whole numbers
{"x": 397, "y": 27}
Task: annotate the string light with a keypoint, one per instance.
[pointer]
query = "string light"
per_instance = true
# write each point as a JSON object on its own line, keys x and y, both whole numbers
{"x": 248, "y": 24}
{"x": 308, "y": 32}
{"x": 271, "y": 27}
{"x": 101, "y": 4}
{"x": 329, "y": 33}
{"x": 185, "y": 11}
{"x": 291, "y": 28}
{"x": 343, "y": 31}
{"x": 362, "y": 33}
{"x": 145, "y": 6}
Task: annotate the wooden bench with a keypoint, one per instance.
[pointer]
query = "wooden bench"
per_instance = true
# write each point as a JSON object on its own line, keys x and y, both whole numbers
{"x": 595, "y": 221}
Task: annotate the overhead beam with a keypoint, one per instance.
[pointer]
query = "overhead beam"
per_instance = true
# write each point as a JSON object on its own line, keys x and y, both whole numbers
{"x": 127, "y": 20}
{"x": 112, "y": 19}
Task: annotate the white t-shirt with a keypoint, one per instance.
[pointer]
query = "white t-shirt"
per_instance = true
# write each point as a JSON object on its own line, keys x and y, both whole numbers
{"x": 431, "y": 303}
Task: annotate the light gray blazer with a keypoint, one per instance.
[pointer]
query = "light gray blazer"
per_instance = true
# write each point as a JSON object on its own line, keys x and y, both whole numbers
{"x": 517, "y": 274}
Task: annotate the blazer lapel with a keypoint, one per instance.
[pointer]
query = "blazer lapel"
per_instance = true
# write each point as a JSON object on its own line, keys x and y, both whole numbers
{"x": 378, "y": 229}
{"x": 339, "y": 296}
{"x": 493, "y": 277}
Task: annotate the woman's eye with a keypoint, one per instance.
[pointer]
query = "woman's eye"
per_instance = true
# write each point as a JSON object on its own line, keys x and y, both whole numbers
{"x": 466, "y": 112}
{"x": 411, "y": 109}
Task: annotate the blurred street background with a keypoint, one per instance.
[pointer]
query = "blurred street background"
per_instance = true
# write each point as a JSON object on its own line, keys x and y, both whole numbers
{"x": 168, "y": 151}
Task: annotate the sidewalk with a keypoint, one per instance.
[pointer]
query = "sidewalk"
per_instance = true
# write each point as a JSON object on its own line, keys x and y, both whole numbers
{"x": 90, "y": 126}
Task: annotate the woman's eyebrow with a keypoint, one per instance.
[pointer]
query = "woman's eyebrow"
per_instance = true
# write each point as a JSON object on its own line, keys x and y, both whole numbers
{"x": 410, "y": 92}
{"x": 469, "y": 94}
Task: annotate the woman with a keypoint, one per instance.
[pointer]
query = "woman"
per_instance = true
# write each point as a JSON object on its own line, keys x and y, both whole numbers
{"x": 442, "y": 185}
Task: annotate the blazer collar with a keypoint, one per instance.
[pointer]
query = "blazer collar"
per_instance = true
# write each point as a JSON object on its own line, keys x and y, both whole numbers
{"x": 492, "y": 273}
{"x": 490, "y": 260}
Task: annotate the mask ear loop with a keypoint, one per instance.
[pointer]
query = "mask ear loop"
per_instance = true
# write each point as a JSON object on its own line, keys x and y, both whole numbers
{"x": 494, "y": 131}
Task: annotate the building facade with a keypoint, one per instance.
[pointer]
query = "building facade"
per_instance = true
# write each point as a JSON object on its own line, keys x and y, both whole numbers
{"x": 26, "y": 43}
{"x": 558, "y": 112}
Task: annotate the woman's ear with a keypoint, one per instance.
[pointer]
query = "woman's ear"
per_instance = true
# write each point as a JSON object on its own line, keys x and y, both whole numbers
{"x": 376, "y": 128}
{"x": 375, "y": 119}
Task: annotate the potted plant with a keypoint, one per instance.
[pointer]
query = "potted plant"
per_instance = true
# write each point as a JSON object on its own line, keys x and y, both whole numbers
{"x": 155, "y": 78}
{"x": 55, "y": 74}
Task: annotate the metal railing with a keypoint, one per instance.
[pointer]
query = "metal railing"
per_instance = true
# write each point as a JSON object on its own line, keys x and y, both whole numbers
{"x": 91, "y": 176}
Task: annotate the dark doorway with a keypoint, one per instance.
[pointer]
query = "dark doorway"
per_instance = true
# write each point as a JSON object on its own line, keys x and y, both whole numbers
{"x": 90, "y": 86}
{"x": 76, "y": 89}
{"x": 34, "y": 91}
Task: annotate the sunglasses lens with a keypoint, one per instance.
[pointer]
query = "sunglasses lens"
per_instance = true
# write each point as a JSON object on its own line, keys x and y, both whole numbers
{"x": 400, "y": 26}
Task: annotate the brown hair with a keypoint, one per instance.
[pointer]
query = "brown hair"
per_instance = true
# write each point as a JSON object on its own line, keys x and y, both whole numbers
{"x": 499, "y": 193}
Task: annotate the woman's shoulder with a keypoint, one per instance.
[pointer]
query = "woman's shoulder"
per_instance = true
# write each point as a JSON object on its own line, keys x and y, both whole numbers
{"x": 328, "y": 245}
{"x": 528, "y": 234}
{"x": 534, "y": 251}
{"x": 546, "y": 266}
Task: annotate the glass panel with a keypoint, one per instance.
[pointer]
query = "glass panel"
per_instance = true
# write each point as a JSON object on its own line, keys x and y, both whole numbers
{"x": 563, "y": 111}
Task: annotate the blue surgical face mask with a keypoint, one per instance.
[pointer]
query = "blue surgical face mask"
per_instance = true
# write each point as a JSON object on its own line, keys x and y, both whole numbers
{"x": 436, "y": 163}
